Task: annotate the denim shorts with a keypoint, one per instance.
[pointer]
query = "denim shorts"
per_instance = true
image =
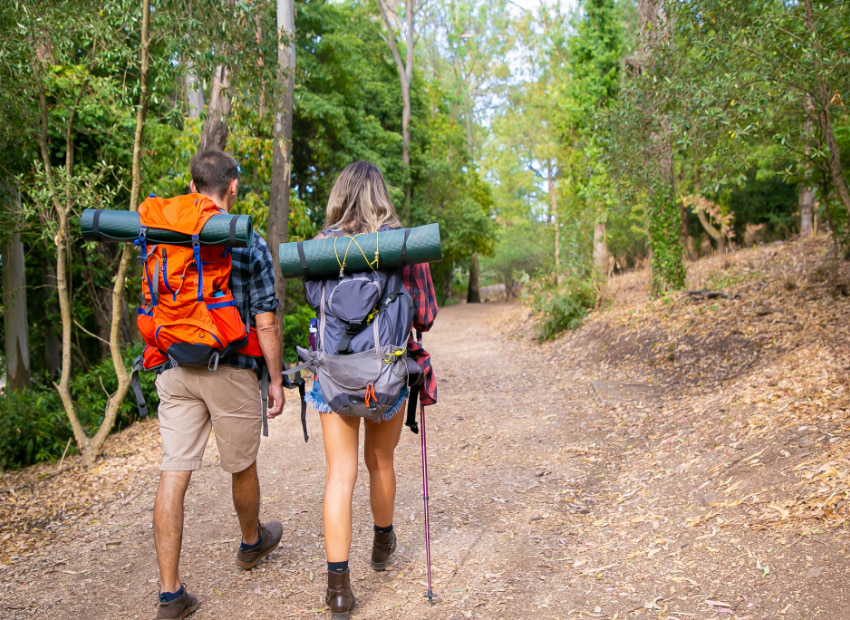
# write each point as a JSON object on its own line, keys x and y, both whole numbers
{"x": 317, "y": 401}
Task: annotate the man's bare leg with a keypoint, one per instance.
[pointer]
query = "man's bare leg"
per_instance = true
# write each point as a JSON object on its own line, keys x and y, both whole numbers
{"x": 246, "y": 500}
{"x": 168, "y": 525}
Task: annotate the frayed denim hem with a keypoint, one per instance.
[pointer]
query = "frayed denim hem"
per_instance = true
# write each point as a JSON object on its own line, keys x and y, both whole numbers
{"x": 389, "y": 414}
{"x": 319, "y": 405}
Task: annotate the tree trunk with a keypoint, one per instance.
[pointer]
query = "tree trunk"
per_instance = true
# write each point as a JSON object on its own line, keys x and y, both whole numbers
{"x": 282, "y": 147}
{"x": 214, "y": 136}
{"x": 449, "y": 281}
{"x": 61, "y": 209}
{"x": 473, "y": 295}
{"x": 405, "y": 73}
{"x": 95, "y": 444}
{"x": 15, "y": 304}
{"x": 667, "y": 269}
{"x": 553, "y": 214}
{"x": 807, "y": 201}
{"x": 600, "y": 248}
{"x": 823, "y": 96}
{"x": 194, "y": 93}
{"x": 405, "y": 98}
{"x": 718, "y": 236}
{"x": 470, "y": 136}
{"x": 51, "y": 342}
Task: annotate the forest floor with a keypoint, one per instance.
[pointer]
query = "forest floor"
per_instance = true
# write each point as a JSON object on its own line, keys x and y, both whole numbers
{"x": 672, "y": 459}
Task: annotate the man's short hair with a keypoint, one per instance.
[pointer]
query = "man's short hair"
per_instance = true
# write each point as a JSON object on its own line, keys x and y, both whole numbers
{"x": 212, "y": 172}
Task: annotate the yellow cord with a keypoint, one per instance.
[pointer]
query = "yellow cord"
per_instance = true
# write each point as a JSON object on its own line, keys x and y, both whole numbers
{"x": 373, "y": 265}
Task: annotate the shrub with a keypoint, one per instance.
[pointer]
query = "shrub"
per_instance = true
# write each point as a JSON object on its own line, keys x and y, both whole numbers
{"x": 296, "y": 325}
{"x": 563, "y": 307}
{"x": 33, "y": 423}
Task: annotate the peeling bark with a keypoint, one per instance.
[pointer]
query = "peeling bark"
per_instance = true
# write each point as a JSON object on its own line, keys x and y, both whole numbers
{"x": 194, "y": 93}
{"x": 214, "y": 136}
{"x": 15, "y": 304}
{"x": 282, "y": 147}
{"x": 600, "y": 248}
{"x": 807, "y": 202}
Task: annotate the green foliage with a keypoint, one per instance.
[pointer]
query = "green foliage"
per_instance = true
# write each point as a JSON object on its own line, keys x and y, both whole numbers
{"x": 523, "y": 248}
{"x": 347, "y": 100}
{"x": 296, "y": 323}
{"x": 668, "y": 268}
{"x": 771, "y": 201}
{"x": 33, "y": 424}
{"x": 563, "y": 307}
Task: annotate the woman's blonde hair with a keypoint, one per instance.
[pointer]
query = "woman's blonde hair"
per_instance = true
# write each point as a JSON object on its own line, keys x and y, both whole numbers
{"x": 359, "y": 201}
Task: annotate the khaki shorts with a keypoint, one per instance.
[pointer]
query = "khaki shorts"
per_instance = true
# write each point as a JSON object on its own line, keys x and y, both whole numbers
{"x": 193, "y": 400}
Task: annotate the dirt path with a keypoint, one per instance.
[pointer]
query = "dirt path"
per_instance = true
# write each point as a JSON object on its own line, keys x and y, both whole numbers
{"x": 558, "y": 490}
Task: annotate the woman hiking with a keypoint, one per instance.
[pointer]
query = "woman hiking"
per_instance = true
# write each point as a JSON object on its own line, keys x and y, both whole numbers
{"x": 359, "y": 203}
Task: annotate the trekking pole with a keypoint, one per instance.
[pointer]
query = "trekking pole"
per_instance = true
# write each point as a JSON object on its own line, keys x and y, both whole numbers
{"x": 430, "y": 595}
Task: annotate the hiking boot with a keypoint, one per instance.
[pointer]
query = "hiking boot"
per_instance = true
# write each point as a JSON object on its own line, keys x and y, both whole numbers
{"x": 270, "y": 535}
{"x": 179, "y": 608}
{"x": 382, "y": 549}
{"x": 339, "y": 597}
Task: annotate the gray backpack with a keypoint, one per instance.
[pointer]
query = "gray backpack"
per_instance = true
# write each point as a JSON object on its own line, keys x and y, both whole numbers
{"x": 360, "y": 351}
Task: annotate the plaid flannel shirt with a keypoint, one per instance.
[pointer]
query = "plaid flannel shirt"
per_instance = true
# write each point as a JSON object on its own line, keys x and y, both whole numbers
{"x": 417, "y": 281}
{"x": 252, "y": 284}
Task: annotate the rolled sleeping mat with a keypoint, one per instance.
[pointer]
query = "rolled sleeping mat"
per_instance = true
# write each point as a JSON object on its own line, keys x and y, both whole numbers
{"x": 124, "y": 226}
{"x": 323, "y": 258}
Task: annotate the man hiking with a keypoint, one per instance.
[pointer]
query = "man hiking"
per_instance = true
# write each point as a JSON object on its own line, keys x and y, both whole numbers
{"x": 223, "y": 395}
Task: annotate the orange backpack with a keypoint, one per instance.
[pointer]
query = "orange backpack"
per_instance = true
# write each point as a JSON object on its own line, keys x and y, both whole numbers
{"x": 189, "y": 316}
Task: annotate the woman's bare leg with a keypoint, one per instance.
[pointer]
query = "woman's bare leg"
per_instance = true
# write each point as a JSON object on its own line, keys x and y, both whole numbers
{"x": 341, "y": 435}
{"x": 379, "y": 446}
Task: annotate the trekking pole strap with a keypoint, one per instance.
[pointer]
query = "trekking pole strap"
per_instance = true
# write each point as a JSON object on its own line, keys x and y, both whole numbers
{"x": 135, "y": 383}
{"x": 291, "y": 378}
{"x": 412, "y": 402}
{"x": 299, "y": 368}
{"x": 303, "y": 411}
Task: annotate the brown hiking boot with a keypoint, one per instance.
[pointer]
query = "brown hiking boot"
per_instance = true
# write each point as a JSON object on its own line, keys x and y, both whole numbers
{"x": 339, "y": 597}
{"x": 179, "y": 608}
{"x": 270, "y": 535}
{"x": 382, "y": 549}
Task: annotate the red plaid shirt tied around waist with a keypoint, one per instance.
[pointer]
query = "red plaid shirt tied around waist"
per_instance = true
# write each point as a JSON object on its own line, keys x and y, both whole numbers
{"x": 417, "y": 281}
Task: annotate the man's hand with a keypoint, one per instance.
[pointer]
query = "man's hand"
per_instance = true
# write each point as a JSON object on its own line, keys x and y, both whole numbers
{"x": 268, "y": 333}
{"x": 276, "y": 400}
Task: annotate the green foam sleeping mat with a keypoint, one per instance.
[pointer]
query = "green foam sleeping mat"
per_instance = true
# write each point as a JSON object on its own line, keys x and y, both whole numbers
{"x": 123, "y": 226}
{"x": 323, "y": 258}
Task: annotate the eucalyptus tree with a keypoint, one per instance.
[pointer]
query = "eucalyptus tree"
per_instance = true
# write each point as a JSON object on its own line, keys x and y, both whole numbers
{"x": 594, "y": 53}
{"x": 536, "y": 107}
{"x": 772, "y": 72}
{"x": 281, "y": 181}
{"x": 640, "y": 150}
{"x": 402, "y": 16}
{"x": 16, "y": 328}
{"x": 471, "y": 40}
{"x": 67, "y": 63}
